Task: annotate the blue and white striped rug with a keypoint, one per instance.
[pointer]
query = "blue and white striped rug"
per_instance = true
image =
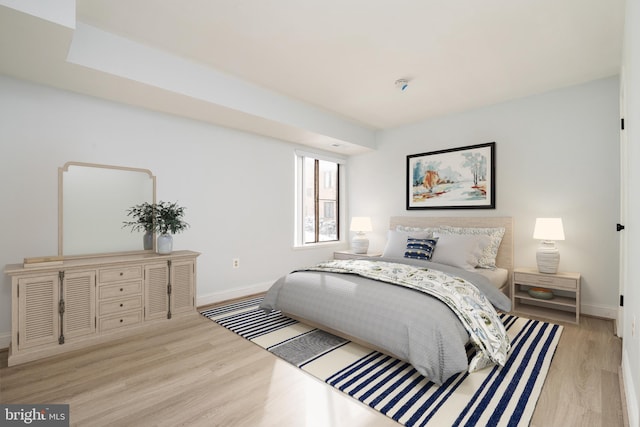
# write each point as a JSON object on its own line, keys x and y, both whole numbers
{"x": 492, "y": 397}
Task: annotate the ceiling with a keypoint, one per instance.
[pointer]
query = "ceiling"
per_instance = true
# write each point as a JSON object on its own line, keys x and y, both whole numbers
{"x": 338, "y": 59}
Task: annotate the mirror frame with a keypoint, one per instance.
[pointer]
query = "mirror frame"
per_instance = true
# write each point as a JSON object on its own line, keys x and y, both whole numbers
{"x": 65, "y": 168}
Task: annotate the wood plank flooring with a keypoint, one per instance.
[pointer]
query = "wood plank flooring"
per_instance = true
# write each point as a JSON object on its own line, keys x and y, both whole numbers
{"x": 193, "y": 372}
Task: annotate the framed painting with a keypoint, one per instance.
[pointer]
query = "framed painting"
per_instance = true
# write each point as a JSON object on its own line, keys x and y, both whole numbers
{"x": 457, "y": 178}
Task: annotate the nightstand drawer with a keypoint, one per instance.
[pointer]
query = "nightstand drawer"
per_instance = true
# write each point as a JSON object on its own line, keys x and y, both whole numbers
{"x": 351, "y": 255}
{"x": 537, "y": 280}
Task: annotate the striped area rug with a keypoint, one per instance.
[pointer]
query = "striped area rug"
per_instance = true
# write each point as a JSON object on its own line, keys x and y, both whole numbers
{"x": 492, "y": 397}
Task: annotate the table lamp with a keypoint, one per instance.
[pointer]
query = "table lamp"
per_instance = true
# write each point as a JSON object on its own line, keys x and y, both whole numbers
{"x": 360, "y": 243}
{"x": 548, "y": 230}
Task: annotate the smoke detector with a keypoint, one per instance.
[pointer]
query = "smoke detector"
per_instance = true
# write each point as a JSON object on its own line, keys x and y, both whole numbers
{"x": 402, "y": 84}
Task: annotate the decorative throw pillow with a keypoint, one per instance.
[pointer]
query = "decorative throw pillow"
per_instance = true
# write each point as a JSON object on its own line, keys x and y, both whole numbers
{"x": 407, "y": 229}
{"x": 420, "y": 248}
{"x": 397, "y": 242}
{"x": 457, "y": 250}
{"x": 490, "y": 252}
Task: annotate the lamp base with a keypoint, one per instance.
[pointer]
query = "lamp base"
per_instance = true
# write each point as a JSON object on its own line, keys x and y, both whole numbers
{"x": 359, "y": 244}
{"x": 548, "y": 258}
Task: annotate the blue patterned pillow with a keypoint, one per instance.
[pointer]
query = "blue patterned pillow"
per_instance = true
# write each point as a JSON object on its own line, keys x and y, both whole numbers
{"x": 420, "y": 248}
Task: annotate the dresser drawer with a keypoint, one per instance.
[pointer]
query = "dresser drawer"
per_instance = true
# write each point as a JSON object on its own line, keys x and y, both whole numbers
{"x": 120, "y": 274}
{"x": 115, "y": 322}
{"x": 120, "y": 290}
{"x": 120, "y": 305}
{"x": 537, "y": 280}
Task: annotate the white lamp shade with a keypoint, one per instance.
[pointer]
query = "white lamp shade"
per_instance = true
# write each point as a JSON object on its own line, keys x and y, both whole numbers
{"x": 548, "y": 229}
{"x": 361, "y": 223}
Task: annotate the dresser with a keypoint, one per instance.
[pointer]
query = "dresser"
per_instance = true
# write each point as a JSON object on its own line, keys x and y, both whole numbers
{"x": 85, "y": 301}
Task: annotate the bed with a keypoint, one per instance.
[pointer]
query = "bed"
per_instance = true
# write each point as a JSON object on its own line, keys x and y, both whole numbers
{"x": 404, "y": 321}
{"x": 504, "y": 257}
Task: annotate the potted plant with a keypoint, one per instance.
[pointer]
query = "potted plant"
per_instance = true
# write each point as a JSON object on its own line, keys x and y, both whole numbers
{"x": 168, "y": 221}
{"x": 144, "y": 220}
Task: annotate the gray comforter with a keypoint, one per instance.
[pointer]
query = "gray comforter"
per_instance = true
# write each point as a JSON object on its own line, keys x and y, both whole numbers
{"x": 402, "y": 322}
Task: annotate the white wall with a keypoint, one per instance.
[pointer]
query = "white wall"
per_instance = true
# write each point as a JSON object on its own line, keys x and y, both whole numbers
{"x": 237, "y": 187}
{"x": 631, "y": 338}
{"x": 556, "y": 155}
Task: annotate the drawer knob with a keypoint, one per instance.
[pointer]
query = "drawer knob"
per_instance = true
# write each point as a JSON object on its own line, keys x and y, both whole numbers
{"x": 121, "y": 289}
{"x": 121, "y": 320}
{"x": 121, "y": 305}
{"x": 122, "y": 273}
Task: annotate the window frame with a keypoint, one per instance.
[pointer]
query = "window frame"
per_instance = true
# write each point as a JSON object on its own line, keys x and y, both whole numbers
{"x": 319, "y": 181}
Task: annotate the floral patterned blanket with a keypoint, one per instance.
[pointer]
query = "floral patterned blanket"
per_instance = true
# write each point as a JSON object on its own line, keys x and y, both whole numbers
{"x": 471, "y": 306}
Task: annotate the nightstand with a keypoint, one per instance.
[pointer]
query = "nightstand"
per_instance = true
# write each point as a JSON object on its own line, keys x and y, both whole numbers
{"x": 565, "y": 304}
{"x": 352, "y": 255}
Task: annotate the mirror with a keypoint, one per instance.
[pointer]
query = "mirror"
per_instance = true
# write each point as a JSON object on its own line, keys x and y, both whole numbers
{"x": 92, "y": 204}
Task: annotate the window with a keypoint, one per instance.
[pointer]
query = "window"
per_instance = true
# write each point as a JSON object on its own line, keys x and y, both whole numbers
{"x": 318, "y": 199}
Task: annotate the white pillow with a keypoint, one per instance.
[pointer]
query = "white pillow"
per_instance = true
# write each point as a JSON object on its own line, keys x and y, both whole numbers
{"x": 490, "y": 251}
{"x": 397, "y": 242}
{"x": 459, "y": 250}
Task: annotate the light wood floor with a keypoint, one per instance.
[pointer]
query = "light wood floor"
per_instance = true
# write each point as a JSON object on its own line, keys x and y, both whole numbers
{"x": 193, "y": 372}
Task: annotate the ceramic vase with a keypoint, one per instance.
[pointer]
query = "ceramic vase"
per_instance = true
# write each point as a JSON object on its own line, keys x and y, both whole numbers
{"x": 165, "y": 243}
{"x": 147, "y": 240}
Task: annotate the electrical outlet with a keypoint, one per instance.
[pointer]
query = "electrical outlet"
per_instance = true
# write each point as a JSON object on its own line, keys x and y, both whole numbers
{"x": 236, "y": 263}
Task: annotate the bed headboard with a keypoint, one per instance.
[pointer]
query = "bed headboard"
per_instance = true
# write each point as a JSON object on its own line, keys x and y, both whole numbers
{"x": 505, "y": 252}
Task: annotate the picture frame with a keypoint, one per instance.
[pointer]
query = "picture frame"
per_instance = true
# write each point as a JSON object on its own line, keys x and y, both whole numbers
{"x": 455, "y": 178}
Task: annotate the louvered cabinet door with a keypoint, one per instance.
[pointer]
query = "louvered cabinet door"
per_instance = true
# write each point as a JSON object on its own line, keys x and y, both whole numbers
{"x": 38, "y": 320}
{"x": 79, "y": 294}
{"x": 156, "y": 299}
{"x": 182, "y": 286}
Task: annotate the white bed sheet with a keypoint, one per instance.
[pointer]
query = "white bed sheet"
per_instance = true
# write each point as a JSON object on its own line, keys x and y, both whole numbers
{"x": 497, "y": 276}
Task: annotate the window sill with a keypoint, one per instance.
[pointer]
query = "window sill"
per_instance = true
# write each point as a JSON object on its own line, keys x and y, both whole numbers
{"x": 320, "y": 245}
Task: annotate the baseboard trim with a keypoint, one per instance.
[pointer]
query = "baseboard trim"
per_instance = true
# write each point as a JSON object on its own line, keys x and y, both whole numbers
{"x": 623, "y": 395}
{"x": 602, "y": 311}
{"x": 215, "y": 297}
{"x": 5, "y": 340}
{"x": 631, "y": 400}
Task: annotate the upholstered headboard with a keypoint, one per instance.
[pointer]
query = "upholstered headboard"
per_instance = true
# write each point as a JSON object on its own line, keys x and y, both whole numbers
{"x": 505, "y": 252}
